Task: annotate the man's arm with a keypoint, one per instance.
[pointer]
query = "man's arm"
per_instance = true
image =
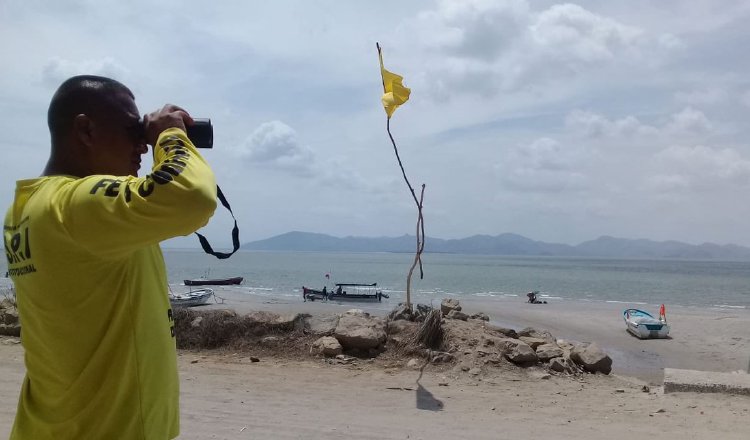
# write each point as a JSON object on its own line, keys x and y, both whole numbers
{"x": 113, "y": 216}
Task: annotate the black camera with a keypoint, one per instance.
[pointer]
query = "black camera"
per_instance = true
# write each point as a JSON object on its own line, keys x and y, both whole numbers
{"x": 201, "y": 134}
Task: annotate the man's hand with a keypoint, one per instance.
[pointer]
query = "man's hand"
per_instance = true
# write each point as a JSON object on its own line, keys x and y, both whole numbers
{"x": 170, "y": 116}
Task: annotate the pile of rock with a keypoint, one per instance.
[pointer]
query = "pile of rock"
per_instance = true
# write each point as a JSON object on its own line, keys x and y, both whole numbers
{"x": 467, "y": 341}
{"x": 9, "y": 323}
{"x": 477, "y": 344}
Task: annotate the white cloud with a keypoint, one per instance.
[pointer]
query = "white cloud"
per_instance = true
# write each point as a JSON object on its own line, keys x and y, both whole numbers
{"x": 701, "y": 167}
{"x": 542, "y": 166}
{"x": 276, "y": 143}
{"x": 479, "y": 29}
{"x": 483, "y": 47}
{"x": 745, "y": 98}
{"x": 590, "y": 124}
{"x": 573, "y": 33}
{"x": 705, "y": 96}
{"x": 689, "y": 121}
{"x": 57, "y": 70}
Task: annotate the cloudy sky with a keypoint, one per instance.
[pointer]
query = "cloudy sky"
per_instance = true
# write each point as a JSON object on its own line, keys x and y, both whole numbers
{"x": 558, "y": 121}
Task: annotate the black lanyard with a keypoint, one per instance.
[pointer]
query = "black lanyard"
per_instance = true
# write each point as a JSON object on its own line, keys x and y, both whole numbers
{"x": 235, "y": 232}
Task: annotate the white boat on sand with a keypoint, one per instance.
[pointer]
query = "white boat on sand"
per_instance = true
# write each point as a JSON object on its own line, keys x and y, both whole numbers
{"x": 644, "y": 326}
{"x": 190, "y": 299}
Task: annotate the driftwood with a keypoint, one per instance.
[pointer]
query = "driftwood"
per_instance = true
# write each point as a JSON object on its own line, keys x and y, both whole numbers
{"x": 431, "y": 331}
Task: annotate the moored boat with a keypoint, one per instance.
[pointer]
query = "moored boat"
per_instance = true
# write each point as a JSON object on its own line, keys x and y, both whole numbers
{"x": 191, "y": 299}
{"x": 354, "y": 292}
{"x": 214, "y": 282}
{"x": 644, "y": 326}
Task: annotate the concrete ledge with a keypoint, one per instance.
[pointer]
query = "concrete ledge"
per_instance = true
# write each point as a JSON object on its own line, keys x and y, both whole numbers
{"x": 705, "y": 382}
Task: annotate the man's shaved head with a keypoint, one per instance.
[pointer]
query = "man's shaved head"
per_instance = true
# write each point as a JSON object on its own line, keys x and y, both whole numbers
{"x": 85, "y": 94}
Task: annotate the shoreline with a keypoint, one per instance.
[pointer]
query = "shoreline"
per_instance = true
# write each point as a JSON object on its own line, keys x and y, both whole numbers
{"x": 708, "y": 339}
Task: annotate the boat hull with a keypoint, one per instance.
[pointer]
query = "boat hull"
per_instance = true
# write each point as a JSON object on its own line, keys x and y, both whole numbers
{"x": 214, "y": 282}
{"x": 313, "y": 295}
{"x": 644, "y": 326}
{"x": 191, "y": 299}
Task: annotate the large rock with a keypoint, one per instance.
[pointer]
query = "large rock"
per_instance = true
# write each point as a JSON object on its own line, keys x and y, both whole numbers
{"x": 400, "y": 313}
{"x": 457, "y": 314}
{"x": 9, "y": 316}
{"x": 592, "y": 358}
{"x": 10, "y": 329}
{"x": 322, "y": 325}
{"x": 275, "y": 321}
{"x": 360, "y": 331}
{"x": 481, "y": 316}
{"x": 508, "y": 332}
{"x": 327, "y": 346}
{"x": 7, "y": 303}
{"x": 448, "y": 305}
{"x": 532, "y": 342}
{"x": 546, "y": 352}
{"x": 519, "y": 352}
{"x": 539, "y": 334}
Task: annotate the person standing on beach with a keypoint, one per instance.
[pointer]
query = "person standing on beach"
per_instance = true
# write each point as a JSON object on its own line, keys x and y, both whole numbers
{"x": 82, "y": 243}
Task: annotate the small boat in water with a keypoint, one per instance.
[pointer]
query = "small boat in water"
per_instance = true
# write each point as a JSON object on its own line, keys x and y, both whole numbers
{"x": 644, "y": 326}
{"x": 213, "y": 282}
{"x": 191, "y": 299}
{"x": 355, "y": 292}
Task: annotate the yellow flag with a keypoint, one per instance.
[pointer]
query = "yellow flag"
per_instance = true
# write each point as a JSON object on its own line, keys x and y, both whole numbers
{"x": 395, "y": 92}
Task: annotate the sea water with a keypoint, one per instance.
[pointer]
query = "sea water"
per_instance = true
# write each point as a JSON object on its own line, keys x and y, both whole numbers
{"x": 282, "y": 274}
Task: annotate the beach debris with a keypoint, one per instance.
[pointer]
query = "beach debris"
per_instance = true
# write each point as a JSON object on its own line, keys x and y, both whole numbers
{"x": 431, "y": 333}
{"x": 421, "y": 312}
{"x": 441, "y": 358}
{"x": 270, "y": 341}
{"x": 646, "y": 389}
{"x": 196, "y": 322}
{"x": 254, "y": 359}
{"x": 591, "y": 358}
{"x": 360, "y": 331}
{"x": 562, "y": 365}
{"x": 327, "y": 346}
{"x": 620, "y": 390}
{"x": 449, "y": 304}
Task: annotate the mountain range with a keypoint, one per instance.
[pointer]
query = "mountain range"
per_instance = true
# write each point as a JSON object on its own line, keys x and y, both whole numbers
{"x": 504, "y": 244}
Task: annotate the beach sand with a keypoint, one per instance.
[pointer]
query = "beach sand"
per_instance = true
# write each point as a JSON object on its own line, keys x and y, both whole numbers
{"x": 226, "y": 396}
{"x": 711, "y": 339}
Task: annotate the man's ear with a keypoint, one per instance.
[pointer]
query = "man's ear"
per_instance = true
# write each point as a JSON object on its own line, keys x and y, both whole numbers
{"x": 83, "y": 130}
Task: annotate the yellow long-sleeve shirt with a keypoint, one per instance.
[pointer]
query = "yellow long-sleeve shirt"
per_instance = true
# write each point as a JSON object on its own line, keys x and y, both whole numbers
{"x": 91, "y": 285}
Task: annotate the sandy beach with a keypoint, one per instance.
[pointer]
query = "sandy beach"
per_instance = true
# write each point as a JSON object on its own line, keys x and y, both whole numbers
{"x": 711, "y": 339}
{"x": 226, "y": 396}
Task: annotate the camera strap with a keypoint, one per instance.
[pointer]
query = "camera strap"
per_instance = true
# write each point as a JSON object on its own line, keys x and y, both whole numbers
{"x": 235, "y": 232}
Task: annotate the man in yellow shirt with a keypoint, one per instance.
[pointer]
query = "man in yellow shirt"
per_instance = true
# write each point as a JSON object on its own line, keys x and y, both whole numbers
{"x": 82, "y": 243}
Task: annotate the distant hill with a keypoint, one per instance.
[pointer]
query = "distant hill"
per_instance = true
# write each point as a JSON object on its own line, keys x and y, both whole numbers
{"x": 503, "y": 244}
